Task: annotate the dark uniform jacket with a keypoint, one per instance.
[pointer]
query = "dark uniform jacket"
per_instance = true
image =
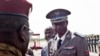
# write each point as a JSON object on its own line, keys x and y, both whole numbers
{"x": 76, "y": 46}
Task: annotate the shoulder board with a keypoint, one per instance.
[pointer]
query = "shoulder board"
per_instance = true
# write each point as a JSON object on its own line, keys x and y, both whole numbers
{"x": 79, "y": 35}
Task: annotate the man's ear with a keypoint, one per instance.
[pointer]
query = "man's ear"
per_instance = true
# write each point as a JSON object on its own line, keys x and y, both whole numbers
{"x": 66, "y": 22}
{"x": 21, "y": 33}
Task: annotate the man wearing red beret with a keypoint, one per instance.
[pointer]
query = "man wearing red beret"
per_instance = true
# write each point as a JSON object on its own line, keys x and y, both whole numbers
{"x": 14, "y": 27}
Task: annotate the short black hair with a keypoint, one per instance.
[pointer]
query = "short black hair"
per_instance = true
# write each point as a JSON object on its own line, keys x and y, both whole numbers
{"x": 11, "y": 23}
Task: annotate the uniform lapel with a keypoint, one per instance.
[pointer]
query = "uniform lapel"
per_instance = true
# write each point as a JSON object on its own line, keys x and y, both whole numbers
{"x": 65, "y": 42}
{"x": 67, "y": 38}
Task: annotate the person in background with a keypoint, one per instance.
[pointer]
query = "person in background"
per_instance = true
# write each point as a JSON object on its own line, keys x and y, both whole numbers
{"x": 14, "y": 27}
{"x": 49, "y": 32}
{"x": 65, "y": 43}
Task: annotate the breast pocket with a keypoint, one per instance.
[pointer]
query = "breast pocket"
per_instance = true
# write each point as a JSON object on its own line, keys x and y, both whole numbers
{"x": 68, "y": 52}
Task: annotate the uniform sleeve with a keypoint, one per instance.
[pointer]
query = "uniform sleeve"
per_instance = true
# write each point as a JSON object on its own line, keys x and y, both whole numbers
{"x": 42, "y": 52}
{"x": 82, "y": 48}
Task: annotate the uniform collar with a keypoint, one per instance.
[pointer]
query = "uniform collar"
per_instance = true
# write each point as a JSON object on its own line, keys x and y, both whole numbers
{"x": 8, "y": 50}
{"x": 62, "y": 38}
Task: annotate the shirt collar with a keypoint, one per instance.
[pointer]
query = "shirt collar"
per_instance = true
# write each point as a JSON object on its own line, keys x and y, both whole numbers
{"x": 62, "y": 38}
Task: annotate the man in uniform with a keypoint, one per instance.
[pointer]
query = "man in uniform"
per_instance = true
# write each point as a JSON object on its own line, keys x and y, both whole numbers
{"x": 14, "y": 27}
{"x": 65, "y": 43}
{"x": 49, "y": 33}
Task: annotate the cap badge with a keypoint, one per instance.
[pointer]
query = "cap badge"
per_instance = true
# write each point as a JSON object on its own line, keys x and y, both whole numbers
{"x": 57, "y": 13}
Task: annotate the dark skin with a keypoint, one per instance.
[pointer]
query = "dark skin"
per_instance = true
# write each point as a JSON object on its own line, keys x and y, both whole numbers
{"x": 48, "y": 33}
{"x": 18, "y": 39}
{"x": 60, "y": 27}
{"x": 23, "y": 36}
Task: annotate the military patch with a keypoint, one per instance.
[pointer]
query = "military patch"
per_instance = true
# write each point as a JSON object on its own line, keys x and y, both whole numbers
{"x": 87, "y": 52}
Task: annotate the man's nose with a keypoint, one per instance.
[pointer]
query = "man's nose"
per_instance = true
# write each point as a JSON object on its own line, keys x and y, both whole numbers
{"x": 47, "y": 35}
{"x": 57, "y": 26}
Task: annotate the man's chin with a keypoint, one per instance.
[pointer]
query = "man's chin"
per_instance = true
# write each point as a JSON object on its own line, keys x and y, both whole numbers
{"x": 58, "y": 32}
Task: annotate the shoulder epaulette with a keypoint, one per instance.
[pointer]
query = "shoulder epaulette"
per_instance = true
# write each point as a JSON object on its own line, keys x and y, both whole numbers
{"x": 79, "y": 35}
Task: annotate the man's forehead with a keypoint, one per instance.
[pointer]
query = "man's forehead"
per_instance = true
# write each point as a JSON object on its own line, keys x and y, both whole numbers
{"x": 49, "y": 30}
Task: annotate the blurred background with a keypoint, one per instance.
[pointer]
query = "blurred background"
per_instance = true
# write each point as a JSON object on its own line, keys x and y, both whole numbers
{"x": 84, "y": 19}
